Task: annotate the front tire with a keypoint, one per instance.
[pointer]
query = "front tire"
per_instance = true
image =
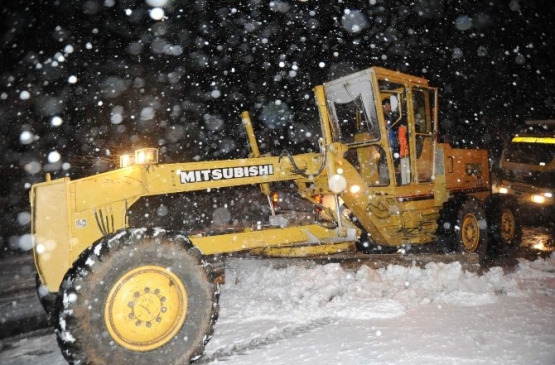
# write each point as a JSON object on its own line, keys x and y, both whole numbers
{"x": 46, "y": 299}
{"x": 141, "y": 296}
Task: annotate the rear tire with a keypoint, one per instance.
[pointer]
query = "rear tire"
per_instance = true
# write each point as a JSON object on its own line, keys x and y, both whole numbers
{"x": 462, "y": 226}
{"x": 504, "y": 224}
{"x": 140, "y": 296}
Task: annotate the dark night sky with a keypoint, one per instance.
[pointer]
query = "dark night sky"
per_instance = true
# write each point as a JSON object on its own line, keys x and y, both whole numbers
{"x": 116, "y": 78}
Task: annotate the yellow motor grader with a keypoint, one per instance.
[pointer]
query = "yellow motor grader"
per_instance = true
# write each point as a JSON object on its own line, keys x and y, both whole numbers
{"x": 120, "y": 293}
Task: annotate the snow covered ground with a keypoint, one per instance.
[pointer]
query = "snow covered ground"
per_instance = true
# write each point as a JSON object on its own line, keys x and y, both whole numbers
{"x": 325, "y": 314}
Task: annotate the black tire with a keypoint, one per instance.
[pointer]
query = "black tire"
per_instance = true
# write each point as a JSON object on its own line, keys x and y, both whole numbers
{"x": 504, "y": 224}
{"x": 46, "y": 299}
{"x": 104, "y": 316}
{"x": 462, "y": 226}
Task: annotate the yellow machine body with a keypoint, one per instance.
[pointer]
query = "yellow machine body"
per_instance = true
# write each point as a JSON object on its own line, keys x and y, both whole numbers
{"x": 396, "y": 197}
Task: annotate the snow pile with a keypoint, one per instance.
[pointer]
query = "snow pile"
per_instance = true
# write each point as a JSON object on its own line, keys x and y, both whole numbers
{"x": 274, "y": 313}
{"x": 256, "y": 289}
{"x": 537, "y": 268}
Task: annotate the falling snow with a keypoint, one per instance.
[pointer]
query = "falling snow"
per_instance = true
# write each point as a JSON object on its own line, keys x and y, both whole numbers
{"x": 104, "y": 75}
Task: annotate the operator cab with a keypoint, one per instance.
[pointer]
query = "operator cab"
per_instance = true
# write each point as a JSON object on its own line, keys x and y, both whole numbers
{"x": 391, "y": 148}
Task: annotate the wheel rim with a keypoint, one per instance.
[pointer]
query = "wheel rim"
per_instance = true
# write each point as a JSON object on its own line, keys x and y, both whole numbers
{"x": 508, "y": 226}
{"x": 470, "y": 233}
{"x": 146, "y": 308}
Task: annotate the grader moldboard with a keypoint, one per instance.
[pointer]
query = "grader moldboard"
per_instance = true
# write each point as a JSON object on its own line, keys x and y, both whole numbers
{"x": 121, "y": 294}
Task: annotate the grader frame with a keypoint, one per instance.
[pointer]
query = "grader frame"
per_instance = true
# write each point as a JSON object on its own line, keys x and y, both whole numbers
{"x": 146, "y": 288}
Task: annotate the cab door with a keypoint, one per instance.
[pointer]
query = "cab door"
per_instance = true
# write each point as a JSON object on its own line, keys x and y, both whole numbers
{"x": 423, "y": 105}
{"x": 415, "y": 196}
{"x": 410, "y": 137}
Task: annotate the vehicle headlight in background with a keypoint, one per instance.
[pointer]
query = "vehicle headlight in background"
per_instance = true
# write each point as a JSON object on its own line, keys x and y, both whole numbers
{"x": 540, "y": 199}
{"x": 503, "y": 190}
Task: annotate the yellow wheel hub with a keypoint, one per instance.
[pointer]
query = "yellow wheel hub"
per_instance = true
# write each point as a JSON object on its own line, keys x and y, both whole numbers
{"x": 470, "y": 232}
{"x": 507, "y": 225}
{"x": 146, "y": 308}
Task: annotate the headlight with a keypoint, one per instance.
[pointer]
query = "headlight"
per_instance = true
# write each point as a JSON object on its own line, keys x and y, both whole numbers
{"x": 126, "y": 160}
{"x": 145, "y": 156}
{"x": 503, "y": 190}
{"x": 540, "y": 199}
